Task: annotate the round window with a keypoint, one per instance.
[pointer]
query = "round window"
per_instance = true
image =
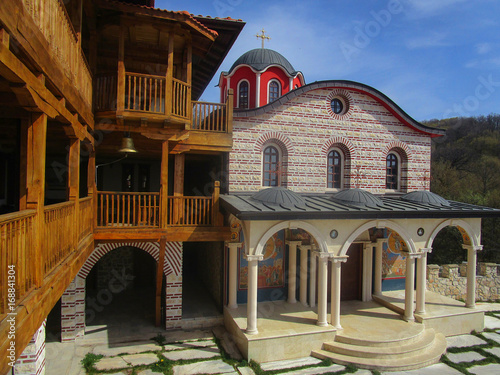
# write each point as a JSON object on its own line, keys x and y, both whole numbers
{"x": 337, "y": 106}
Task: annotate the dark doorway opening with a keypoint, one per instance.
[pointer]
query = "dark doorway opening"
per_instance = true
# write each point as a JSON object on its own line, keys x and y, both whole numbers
{"x": 351, "y": 274}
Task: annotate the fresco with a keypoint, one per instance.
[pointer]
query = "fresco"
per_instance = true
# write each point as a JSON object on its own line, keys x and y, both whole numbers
{"x": 393, "y": 258}
{"x": 465, "y": 236}
{"x": 271, "y": 274}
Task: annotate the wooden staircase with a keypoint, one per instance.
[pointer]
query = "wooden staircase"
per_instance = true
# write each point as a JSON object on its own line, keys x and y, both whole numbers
{"x": 398, "y": 354}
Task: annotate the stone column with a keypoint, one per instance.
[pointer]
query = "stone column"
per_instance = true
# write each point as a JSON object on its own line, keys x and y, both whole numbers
{"x": 233, "y": 274}
{"x": 303, "y": 274}
{"x": 322, "y": 288}
{"x": 32, "y": 359}
{"x": 366, "y": 293}
{"x": 73, "y": 310}
{"x": 335, "y": 290}
{"x": 421, "y": 280}
{"x": 410, "y": 286}
{"x": 253, "y": 273}
{"x": 292, "y": 270}
{"x": 377, "y": 282}
{"x": 470, "y": 301}
{"x": 312, "y": 279}
{"x": 257, "y": 91}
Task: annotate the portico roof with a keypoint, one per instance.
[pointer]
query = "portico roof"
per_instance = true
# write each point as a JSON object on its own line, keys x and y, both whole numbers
{"x": 322, "y": 206}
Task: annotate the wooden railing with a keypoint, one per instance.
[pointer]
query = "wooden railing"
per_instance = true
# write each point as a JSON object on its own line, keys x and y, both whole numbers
{"x": 105, "y": 92}
{"x": 17, "y": 253}
{"x": 211, "y": 117}
{"x": 86, "y": 218}
{"x": 190, "y": 211}
{"x": 116, "y": 209}
{"x": 59, "y": 238}
{"x": 51, "y": 17}
{"x": 145, "y": 93}
{"x": 181, "y": 97}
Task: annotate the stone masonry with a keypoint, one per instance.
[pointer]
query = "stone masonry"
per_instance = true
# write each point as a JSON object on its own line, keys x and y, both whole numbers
{"x": 451, "y": 280}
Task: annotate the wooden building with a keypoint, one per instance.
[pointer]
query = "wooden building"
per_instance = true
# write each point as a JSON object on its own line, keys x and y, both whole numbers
{"x": 78, "y": 78}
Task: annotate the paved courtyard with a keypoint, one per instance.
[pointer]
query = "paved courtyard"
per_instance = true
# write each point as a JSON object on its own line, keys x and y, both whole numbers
{"x": 208, "y": 352}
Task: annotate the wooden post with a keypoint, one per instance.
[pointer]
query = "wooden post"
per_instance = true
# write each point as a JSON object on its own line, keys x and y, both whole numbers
{"x": 120, "y": 100}
{"x": 215, "y": 204}
{"x": 229, "y": 111}
{"x": 178, "y": 188}
{"x": 169, "y": 76}
{"x": 74, "y": 184}
{"x": 37, "y": 137}
{"x": 189, "y": 79}
{"x": 23, "y": 164}
{"x": 159, "y": 279}
{"x": 91, "y": 187}
{"x": 164, "y": 186}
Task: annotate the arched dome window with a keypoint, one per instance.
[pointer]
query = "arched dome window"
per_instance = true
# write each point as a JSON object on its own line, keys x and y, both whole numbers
{"x": 274, "y": 91}
{"x": 243, "y": 95}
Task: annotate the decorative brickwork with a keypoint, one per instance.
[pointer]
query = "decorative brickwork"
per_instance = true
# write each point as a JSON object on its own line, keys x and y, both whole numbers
{"x": 451, "y": 280}
{"x": 73, "y": 310}
{"x": 32, "y": 360}
{"x": 308, "y": 129}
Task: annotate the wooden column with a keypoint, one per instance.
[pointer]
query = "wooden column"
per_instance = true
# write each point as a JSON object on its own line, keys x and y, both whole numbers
{"x": 169, "y": 75}
{"x": 178, "y": 187}
{"x": 91, "y": 186}
{"x": 120, "y": 100}
{"x": 37, "y": 137}
{"x": 74, "y": 184}
{"x": 159, "y": 280}
{"x": 164, "y": 185}
{"x": 189, "y": 73}
{"x": 215, "y": 205}
{"x": 23, "y": 162}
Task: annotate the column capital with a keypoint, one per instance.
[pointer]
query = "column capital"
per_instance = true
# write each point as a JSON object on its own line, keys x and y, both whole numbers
{"x": 233, "y": 245}
{"x": 305, "y": 247}
{"x": 473, "y": 247}
{"x": 339, "y": 259}
{"x": 322, "y": 255}
{"x": 381, "y": 241}
{"x": 425, "y": 250}
{"x": 293, "y": 242}
{"x": 413, "y": 255}
{"x": 249, "y": 258}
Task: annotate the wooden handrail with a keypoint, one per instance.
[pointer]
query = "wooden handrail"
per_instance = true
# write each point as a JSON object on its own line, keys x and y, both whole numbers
{"x": 209, "y": 117}
{"x": 181, "y": 97}
{"x": 144, "y": 92}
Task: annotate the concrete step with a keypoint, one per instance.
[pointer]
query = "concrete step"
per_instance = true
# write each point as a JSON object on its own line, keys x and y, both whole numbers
{"x": 388, "y": 358}
{"x": 403, "y": 348}
{"x": 401, "y": 339}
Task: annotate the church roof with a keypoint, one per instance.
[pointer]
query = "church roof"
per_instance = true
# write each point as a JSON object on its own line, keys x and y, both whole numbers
{"x": 357, "y": 197}
{"x": 424, "y": 196}
{"x": 261, "y": 58}
{"x": 279, "y": 196}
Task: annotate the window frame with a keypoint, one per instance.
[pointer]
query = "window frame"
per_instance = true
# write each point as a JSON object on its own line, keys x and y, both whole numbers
{"x": 248, "y": 93}
{"x": 398, "y": 171}
{"x": 341, "y": 166}
{"x": 271, "y": 81}
{"x": 279, "y": 163}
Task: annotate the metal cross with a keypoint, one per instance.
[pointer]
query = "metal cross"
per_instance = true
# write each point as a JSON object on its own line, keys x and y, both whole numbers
{"x": 263, "y": 36}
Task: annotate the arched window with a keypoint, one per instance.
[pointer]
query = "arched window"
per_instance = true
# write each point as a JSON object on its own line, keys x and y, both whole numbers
{"x": 392, "y": 175}
{"x": 334, "y": 169}
{"x": 243, "y": 95}
{"x": 274, "y": 91}
{"x": 271, "y": 168}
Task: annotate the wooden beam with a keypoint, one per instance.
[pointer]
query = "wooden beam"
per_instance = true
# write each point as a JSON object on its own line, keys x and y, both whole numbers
{"x": 74, "y": 182}
{"x": 164, "y": 185}
{"x": 159, "y": 279}
{"x": 23, "y": 164}
{"x": 178, "y": 186}
{"x": 169, "y": 75}
{"x": 4, "y": 38}
{"x": 120, "y": 103}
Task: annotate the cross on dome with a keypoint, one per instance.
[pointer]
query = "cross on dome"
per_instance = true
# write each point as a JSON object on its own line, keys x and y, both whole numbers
{"x": 263, "y": 36}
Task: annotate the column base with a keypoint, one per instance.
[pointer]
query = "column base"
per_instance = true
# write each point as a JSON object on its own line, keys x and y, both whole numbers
{"x": 233, "y": 307}
{"x": 409, "y": 318}
{"x": 338, "y": 327}
{"x": 322, "y": 324}
{"x": 251, "y": 331}
{"x": 470, "y": 306}
{"x": 292, "y": 301}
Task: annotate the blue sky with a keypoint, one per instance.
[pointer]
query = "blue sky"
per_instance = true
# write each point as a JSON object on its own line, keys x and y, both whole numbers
{"x": 434, "y": 58}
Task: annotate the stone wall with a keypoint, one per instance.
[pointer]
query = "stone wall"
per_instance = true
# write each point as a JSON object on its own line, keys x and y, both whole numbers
{"x": 451, "y": 280}
{"x": 305, "y": 129}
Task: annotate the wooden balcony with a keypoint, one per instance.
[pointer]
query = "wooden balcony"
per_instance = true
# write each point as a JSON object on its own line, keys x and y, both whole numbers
{"x": 63, "y": 231}
{"x": 52, "y": 19}
{"x": 158, "y": 98}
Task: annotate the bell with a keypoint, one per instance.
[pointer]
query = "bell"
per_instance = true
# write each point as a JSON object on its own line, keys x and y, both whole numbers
{"x": 127, "y": 144}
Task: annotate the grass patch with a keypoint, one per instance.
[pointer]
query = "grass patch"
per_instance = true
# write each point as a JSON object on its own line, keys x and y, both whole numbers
{"x": 159, "y": 339}
{"x": 88, "y": 362}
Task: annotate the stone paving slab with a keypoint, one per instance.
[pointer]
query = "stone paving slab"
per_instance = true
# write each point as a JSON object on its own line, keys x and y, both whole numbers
{"x": 363, "y": 372}
{"x": 491, "y": 322}
{"x": 318, "y": 370}
{"x": 439, "y": 368}
{"x": 190, "y": 344}
{"x": 246, "y": 371}
{"x": 141, "y": 359}
{"x": 192, "y": 354}
{"x": 110, "y": 363}
{"x": 148, "y": 372}
{"x": 492, "y": 336}
{"x": 464, "y": 357}
{"x": 462, "y": 341}
{"x": 205, "y": 367}
{"x": 133, "y": 349}
{"x": 491, "y": 369}
{"x": 494, "y": 351}
{"x": 289, "y": 363}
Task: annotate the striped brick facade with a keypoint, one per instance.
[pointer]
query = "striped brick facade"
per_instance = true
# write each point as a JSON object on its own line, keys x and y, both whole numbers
{"x": 307, "y": 128}
{"x": 73, "y": 299}
{"x": 32, "y": 360}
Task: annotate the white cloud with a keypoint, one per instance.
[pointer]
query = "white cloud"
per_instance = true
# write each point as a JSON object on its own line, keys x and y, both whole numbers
{"x": 434, "y": 39}
{"x": 424, "y": 8}
{"x": 482, "y": 48}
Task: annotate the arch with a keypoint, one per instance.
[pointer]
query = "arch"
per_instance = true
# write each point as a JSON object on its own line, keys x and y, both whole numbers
{"x": 173, "y": 255}
{"x": 399, "y": 147}
{"x": 374, "y": 223}
{"x": 291, "y": 224}
{"x": 454, "y": 223}
{"x": 276, "y": 137}
{"x": 343, "y": 143}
